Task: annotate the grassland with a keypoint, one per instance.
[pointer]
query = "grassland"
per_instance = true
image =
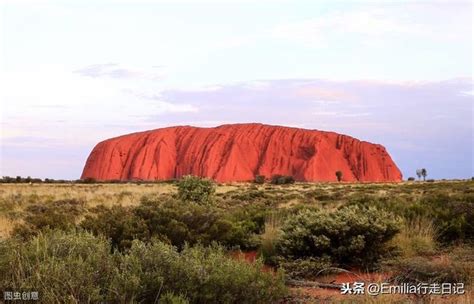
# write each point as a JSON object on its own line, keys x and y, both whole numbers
{"x": 430, "y": 239}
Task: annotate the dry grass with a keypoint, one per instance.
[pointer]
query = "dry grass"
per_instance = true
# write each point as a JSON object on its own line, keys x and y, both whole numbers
{"x": 270, "y": 235}
{"x": 6, "y": 226}
{"x": 108, "y": 194}
{"x": 417, "y": 237}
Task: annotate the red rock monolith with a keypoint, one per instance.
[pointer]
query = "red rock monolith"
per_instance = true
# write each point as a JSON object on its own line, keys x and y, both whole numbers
{"x": 239, "y": 152}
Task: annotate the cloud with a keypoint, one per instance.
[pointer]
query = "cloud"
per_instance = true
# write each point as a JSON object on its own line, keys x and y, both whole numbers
{"x": 324, "y": 93}
{"x": 163, "y": 106}
{"x": 116, "y": 71}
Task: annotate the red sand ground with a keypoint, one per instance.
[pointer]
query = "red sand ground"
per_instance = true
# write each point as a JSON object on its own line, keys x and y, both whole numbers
{"x": 237, "y": 153}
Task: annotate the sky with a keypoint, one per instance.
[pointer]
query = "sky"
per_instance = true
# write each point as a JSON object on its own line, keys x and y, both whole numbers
{"x": 397, "y": 73}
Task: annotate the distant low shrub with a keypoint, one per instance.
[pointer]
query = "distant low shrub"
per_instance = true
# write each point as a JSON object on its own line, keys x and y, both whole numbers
{"x": 350, "y": 235}
{"x": 88, "y": 180}
{"x": 259, "y": 179}
{"x": 282, "y": 179}
{"x": 250, "y": 196}
{"x": 410, "y": 179}
{"x": 19, "y": 179}
{"x": 61, "y": 214}
{"x": 451, "y": 214}
{"x": 430, "y": 180}
{"x": 196, "y": 190}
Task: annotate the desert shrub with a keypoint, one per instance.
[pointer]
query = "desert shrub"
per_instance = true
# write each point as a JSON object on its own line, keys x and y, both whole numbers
{"x": 78, "y": 267}
{"x": 250, "y": 196}
{"x": 176, "y": 223}
{"x": 430, "y": 180}
{"x": 451, "y": 213}
{"x": 411, "y": 178}
{"x": 282, "y": 179}
{"x": 307, "y": 268}
{"x": 259, "y": 179}
{"x": 171, "y": 298}
{"x": 119, "y": 224}
{"x": 180, "y": 223}
{"x": 196, "y": 190}
{"x": 350, "y": 235}
{"x": 320, "y": 195}
{"x": 424, "y": 270}
{"x": 202, "y": 274}
{"x": 60, "y": 214}
{"x": 62, "y": 267}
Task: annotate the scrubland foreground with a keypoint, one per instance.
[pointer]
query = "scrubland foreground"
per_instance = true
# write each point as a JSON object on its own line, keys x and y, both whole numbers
{"x": 196, "y": 242}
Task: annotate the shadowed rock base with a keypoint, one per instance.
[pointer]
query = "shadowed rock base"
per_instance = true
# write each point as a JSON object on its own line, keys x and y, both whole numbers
{"x": 238, "y": 152}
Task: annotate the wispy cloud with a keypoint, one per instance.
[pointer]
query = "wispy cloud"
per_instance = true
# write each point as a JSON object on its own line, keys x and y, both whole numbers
{"x": 162, "y": 106}
{"x": 114, "y": 70}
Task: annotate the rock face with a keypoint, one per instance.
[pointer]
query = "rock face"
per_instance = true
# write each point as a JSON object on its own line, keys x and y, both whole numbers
{"x": 238, "y": 152}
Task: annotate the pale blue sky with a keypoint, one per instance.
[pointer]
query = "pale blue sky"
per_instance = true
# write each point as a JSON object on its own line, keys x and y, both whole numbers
{"x": 393, "y": 72}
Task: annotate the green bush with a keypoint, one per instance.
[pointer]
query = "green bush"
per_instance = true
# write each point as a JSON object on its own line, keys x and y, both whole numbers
{"x": 350, "y": 235}
{"x": 181, "y": 223}
{"x": 196, "y": 190}
{"x": 119, "y": 224}
{"x": 259, "y": 179}
{"x": 62, "y": 267}
{"x": 171, "y": 298}
{"x": 61, "y": 214}
{"x": 77, "y": 267}
{"x": 451, "y": 214}
{"x": 307, "y": 268}
{"x": 203, "y": 275}
{"x": 176, "y": 223}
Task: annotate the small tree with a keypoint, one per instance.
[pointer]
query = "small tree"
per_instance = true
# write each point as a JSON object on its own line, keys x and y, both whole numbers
{"x": 196, "y": 190}
{"x": 424, "y": 173}
{"x": 339, "y": 175}
{"x": 418, "y": 173}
